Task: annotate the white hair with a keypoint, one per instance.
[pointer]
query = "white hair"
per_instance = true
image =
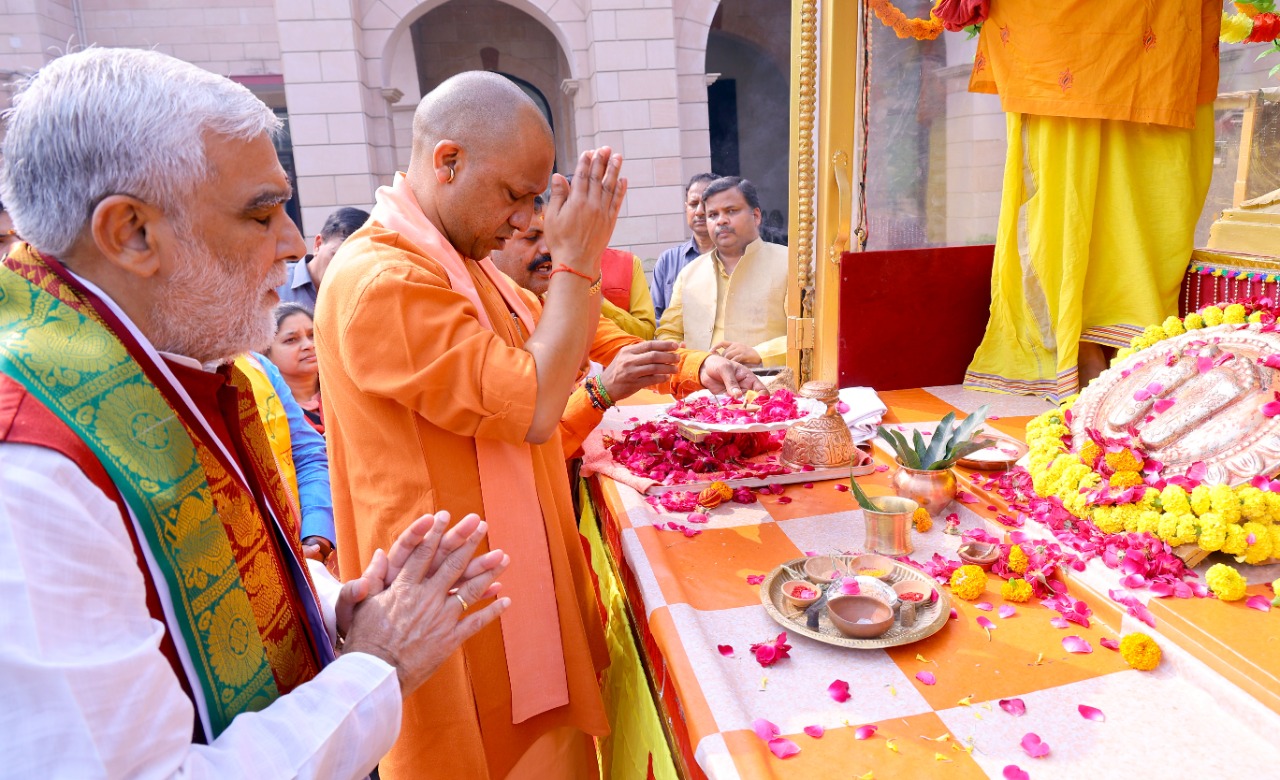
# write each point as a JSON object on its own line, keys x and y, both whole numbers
{"x": 104, "y": 122}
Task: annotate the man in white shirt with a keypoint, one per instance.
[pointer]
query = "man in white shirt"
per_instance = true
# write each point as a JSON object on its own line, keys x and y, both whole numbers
{"x": 158, "y": 616}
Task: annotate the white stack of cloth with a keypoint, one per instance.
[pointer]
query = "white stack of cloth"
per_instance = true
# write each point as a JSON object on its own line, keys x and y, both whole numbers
{"x": 865, "y": 411}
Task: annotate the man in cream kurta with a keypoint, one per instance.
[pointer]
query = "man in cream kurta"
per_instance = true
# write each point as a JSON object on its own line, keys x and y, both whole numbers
{"x": 733, "y": 299}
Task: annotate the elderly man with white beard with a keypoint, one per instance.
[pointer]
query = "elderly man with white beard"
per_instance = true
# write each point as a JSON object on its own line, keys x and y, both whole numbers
{"x": 158, "y": 616}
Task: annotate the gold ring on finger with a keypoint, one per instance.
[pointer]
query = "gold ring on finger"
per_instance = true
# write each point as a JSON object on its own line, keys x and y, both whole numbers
{"x": 462, "y": 601}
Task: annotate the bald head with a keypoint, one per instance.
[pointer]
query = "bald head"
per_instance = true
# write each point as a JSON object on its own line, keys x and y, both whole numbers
{"x": 478, "y": 110}
{"x": 482, "y": 151}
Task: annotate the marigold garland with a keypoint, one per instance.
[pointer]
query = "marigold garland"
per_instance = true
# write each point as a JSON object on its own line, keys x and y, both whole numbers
{"x": 1140, "y": 651}
{"x": 904, "y": 27}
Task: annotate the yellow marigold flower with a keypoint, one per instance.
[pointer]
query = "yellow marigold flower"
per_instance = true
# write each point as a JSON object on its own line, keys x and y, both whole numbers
{"x": 1173, "y": 326}
{"x": 1235, "y": 28}
{"x": 1275, "y": 587}
{"x": 921, "y": 519}
{"x": 1149, "y": 522}
{"x": 1225, "y": 502}
{"x": 1056, "y": 430}
{"x": 1174, "y": 499}
{"x": 1130, "y": 515}
{"x": 1193, "y": 321}
{"x": 1108, "y": 520}
{"x": 1139, "y": 343}
{"x": 1124, "y": 479}
{"x": 1260, "y": 549}
{"x": 1121, "y": 355}
{"x": 1124, "y": 460}
{"x": 1068, "y": 402}
{"x": 968, "y": 582}
{"x": 1154, "y": 333}
{"x": 1076, "y": 504}
{"x": 1212, "y": 316}
{"x": 1150, "y": 500}
{"x": 1140, "y": 651}
{"x": 1213, "y": 532}
{"x": 1225, "y": 582}
{"x": 1090, "y": 480}
{"x": 1256, "y": 317}
{"x": 1188, "y": 529}
{"x": 1018, "y": 590}
{"x": 1237, "y": 540}
{"x": 1253, "y": 505}
{"x": 1274, "y": 532}
{"x": 1167, "y": 529}
{"x": 1273, "y": 506}
{"x": 1017, "y": 558}
{"x": 1233, "y": 314}
{"x": 1076, "y": 473}
{"x": 1200, "y": 499}
{"x": 1090, "y": 451}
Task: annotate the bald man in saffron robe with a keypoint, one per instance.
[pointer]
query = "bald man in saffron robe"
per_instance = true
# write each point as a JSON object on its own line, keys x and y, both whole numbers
{"x": 436, "y": 397}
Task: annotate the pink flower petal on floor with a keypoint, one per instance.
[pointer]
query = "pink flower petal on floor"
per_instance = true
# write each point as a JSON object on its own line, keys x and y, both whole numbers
{"x": 1204, "y": 364}
{"x": 1033, "y": 746}
{"x": 843, "y": 488}
{"x": 1260, "y": 603}
{"x": 725, "y": 650}
{"x": 1109, "y": 643}
{"x": 1013, "y": 706}
{"x": 965, "y": 497}
{"x": 864, "y": 732}
{"x": 785, "y": 748}
{"x": 1091, "y": 713}
{"x": 954, "y": 615}
{"x": 1162, "y": 405}
{"x": 1074, "y": 644}
{"x": 764, "y": 729}
{"x": 1015, "y": 772}
{"x": 882, "y": 468}
{"x": 784, "y": 499}
{"x": 926, "y": 677}
{"x": 755, "y": 579}
{"x": 815, "y": 731}
{"x": 985, "y": 622}
{"x": 1058, "y": 622}
{"x": 839, "y": 691}
{"x": 985, "y": 606}
{"x": 1007, "y": 611}
{"x": 1271, "y": 361}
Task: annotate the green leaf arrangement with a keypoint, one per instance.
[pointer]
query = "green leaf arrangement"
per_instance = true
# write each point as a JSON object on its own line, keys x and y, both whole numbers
{"x": 950, "y": 442}
{"x": 863, "y": 499}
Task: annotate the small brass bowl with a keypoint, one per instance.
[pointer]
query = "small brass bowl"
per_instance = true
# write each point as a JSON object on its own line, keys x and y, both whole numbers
{"x": 846, "y": 612}
{"x": 824, "y": 569}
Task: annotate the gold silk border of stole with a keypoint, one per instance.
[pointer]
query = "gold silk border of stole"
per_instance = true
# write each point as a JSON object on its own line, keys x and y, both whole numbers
{"x": 64, "y": 355}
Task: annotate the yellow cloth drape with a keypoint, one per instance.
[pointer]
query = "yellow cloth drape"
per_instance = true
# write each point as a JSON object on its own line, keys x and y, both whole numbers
{"x": 276, "y": 423}
{"x": 635, "y": 731}
{"x": 1096, "y": 227}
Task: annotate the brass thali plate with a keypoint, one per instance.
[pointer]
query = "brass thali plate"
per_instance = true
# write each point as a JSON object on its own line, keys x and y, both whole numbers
{"x": 930, "y": 618}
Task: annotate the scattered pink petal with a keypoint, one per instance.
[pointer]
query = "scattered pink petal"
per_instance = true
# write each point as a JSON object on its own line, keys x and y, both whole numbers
{"x": 1151, "y": 390}
{"x": 1271, "y": 361}
{"x": 807, "y": 486}
{"x": 1204, "y": 364}
{"x": 954, "y": 615}
{"x": 785, "y": 748}
{"x": 1109, "y": 643}
{"x": 985, "y": 606}
{"x": 864, "y": 732}
{"x": 1013, "y": 706}
{"x": 1058, "y": 622}
{"x": 755, "y": 579}
{"x": 1033, "y": 746}
{"x": 992, "y": 417}
{"x": 1015, "y": 772}
{"x": 764, "y": 729}
{"x": 965, "y": 497}
{"x": 849, "y": 588}
{"x": 843, "y": 488}
{"x": 784, "y": 499}
{"x": 839, "y": 691}
{"x": 1260, "y": 603}
{"x": 1251, "y": 539}
{"x": 1091, "y": 713}
{"x": 882, "y": 468}
{"x": 926, "y": 677}
{"x": 1074, "y": 644}
{"x": 985, "y": 622}
{"x": 807, "y": 467}
{"x": 725, "y": 650}
{"x": 1162, "y": 405}
{"x": 814, "y": 731}
{"x": 1271, "y": 408}
{"x": 842, "y": 407}
{"x": 1007, "y": 611}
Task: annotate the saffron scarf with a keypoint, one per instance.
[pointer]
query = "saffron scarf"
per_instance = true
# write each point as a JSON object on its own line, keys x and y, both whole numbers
{"x": 240, "y": 609}
{"x": 508, "y": 489}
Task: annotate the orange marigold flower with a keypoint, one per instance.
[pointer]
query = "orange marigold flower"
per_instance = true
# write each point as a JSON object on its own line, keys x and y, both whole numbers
{"x": 1140, "y": 651}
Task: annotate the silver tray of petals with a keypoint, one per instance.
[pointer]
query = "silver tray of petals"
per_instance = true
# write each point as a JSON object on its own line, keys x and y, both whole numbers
{"x": 705, "y": 412}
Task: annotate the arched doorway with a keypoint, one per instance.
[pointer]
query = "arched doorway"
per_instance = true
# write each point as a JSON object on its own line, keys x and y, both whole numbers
{"x": 463, "y": 35}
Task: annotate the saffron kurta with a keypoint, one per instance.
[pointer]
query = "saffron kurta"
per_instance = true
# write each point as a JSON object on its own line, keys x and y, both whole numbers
{"x": 411, "y": 380}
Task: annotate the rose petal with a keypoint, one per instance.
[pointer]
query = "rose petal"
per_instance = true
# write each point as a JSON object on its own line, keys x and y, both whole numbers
{"x": 1015, "y": 772}
{"x": 985, "y": 622}
{"x": 839, "y": 691}
{"x": 1259, "y": 603}
{"x": 1091, "y": 713}
{"x": 850, "y": 588}
{"x": 1013, "y": 706}
{"x": 954, "y": 615}
{"x": 784, "y": 499}
{"x": 1007, "y": 611}
{"x": 785, "y": 748}
{"x": 764, "y": 729}
{"x": 725, "y": 650}
{"x": 864, "y": 732}
{"x": 843, "y": 488}
{"x": 1162, "y": 404}
{"x": 1109, "y": 643}
{"x": 965, "y": 497}
{"x": 985, "y": 606}
{"x": 881, "y": 468}
{"x": 1074, "y": 644}
{"x": 815, "y": 731}
{"x": 755, "y": 579}
{"x": 1058, "y": 622}
{"x": 926, "y": 677}
{"x": 1033, "y": 746}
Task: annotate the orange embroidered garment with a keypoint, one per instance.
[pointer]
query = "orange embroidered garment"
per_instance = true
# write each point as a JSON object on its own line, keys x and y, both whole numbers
{"x": 1141, "y": 62}
{"x": 412, "y": 381}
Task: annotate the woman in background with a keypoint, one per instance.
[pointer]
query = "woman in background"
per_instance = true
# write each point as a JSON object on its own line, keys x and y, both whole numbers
{"x": 294, "y": 352}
